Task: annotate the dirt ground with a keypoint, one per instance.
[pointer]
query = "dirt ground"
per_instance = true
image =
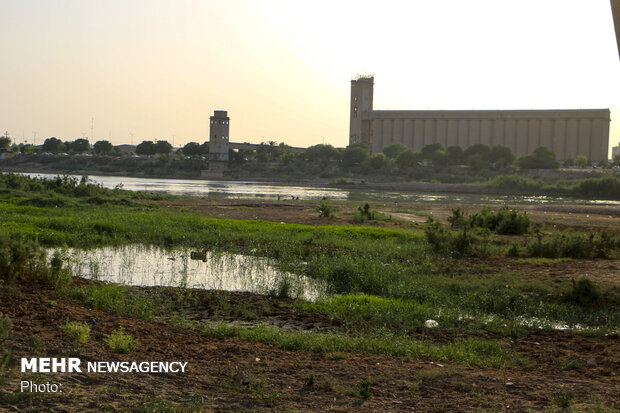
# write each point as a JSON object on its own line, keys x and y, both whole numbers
{"x": 227, "y": 374}
{"x": 582, "y": 217}
{"x": 236, "y": 375}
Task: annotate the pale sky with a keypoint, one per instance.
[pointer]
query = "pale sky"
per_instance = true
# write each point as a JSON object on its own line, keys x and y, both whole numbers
{"x": 282, "y": 69}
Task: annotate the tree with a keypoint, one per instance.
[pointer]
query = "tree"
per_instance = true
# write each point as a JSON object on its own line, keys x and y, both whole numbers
{"x": 163, "y": 147}
{"x": 502, "y": 156}
{"x": 354, "y": 156}
{"x": 438, "y": 158}
{"x": 393, "y": 150}
{"x": 478, "y": 149}
{"x": 541, "y": 158}
{"x": 454, "y": 155}
{"x": 408, "y": 159}
{"x": 192, "y": 149}
{"x": 53, "y": 145}
{"x": 377, "y": 161}
{"x": 320, "y": 153}
{"x": 146, "y": 148}
{"x": 5, "y": 142}
{"x": 616, "y": 161}
{"x": 103, "y": 147}
{"x": 204, "y": 148}
{"x": 581, "y": 161}
{"x": 80, "y": 145}
{"x": 429, "y": 150}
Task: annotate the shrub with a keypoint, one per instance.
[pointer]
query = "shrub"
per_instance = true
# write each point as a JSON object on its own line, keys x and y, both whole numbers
{"x": 325, "y": 210}
{"x": 121, "y": 342}
{"x": 364, "y": 387}
{"x": 78, "y": 330}
{"x": 574, "y": 245}
{"x": 457, "y": 219}
{"x": 584, "y": 293}
{"x": 22, "y": 258}
{"x": 443, "y": 240}
{"x": 365, "y": 214}
{"x": 505, "y": 221}
{"x": 5, "y": 327}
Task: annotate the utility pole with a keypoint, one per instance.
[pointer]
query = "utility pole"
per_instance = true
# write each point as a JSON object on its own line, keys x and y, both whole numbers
{"x": 34, "y": 138}
{"x": 173, "y": 135}
{"x": 131, "y": 134}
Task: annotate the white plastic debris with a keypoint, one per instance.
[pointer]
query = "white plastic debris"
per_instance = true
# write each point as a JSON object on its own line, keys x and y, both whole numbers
{"x": 431, "y": 324}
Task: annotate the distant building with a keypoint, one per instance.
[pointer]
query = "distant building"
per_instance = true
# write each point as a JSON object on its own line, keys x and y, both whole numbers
{"x": 218, "y": 145}
{"x": 615, "y": 151}
{"x": 218, "y": 136}
{"x": 568, "y": 133}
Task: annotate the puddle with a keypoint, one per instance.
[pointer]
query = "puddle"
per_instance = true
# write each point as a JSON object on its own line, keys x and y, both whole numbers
{"x": 141, "y": 265}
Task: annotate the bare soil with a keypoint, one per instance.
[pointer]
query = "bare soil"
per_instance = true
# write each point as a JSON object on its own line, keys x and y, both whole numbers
{"x": 236, "y": 375}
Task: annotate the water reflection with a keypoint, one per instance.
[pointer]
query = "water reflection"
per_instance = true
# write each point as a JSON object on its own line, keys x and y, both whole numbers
{"x": 248, "y": 189}
{"x": 153, "y": 266}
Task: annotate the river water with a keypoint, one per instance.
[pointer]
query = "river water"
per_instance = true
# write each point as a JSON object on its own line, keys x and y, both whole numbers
{"x": 249, "y": 189}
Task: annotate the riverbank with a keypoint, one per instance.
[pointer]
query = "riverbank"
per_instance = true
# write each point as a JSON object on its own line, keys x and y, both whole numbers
{"x": 526, "y": 317}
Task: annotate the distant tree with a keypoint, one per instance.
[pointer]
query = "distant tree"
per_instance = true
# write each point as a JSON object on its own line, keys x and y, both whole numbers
{"x": 354, "y": 156}
{"x": 53, "y": 145}
{"x": 454, "y": 155}
{"x": 616, "y": 161}
{"x": 192, "y": 149}
{"x": 80, "y": 145}
{"x": 321, "y": 153}
{"x": 502, "y": 156}
{"x": 568, "y": 162}
{"x": 581, "y": 161}
{"x": 204, "y": 148}
{"x": 392, "y": 151}
{"x": 541, "y": 158}
{"x": 146, "y": 148}
{"x": 5, "y": 142}
{"x": 378, "y": 160}
{"x": 163, "y": 147}
{"x": 408, "y": 159}
{"x": 438, "y": 158}
{"x": 103, "y": 147}
{"x": 26, "y": 149}
{"x": 478, "y": 149}
{"x": 477, "y": 163}
{"x": 429, "y": 150}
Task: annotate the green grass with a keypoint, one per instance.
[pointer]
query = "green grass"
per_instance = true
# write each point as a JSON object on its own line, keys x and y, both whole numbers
{"x": 121, "y": 342}
{"x": 469, "y": 351}
{"x": 388, "y": 279}
{"x": 78, "y": 330}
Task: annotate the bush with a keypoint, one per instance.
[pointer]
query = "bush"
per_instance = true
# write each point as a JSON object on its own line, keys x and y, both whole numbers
{"x": 505, "y": 221}
{"x": 5, "y": 327}
{"x": 78, "y": 330}
{"x": 443, "y": 240}
{"x": 574, "y": 245}
{"x": 121, "y": 342}
{"x": 607, "y": 187}
{"x": 584, "y": 293}
{"x": 325, "y": 210}
{"x": 365, "y": 214}
{"x": 22, "y": 258}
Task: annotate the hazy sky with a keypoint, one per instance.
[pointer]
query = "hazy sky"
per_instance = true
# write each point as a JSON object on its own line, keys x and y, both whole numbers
{"x": 282, "y": 69}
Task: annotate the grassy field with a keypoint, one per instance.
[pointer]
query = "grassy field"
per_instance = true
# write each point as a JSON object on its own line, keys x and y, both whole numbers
{"x": 384, "y": 281}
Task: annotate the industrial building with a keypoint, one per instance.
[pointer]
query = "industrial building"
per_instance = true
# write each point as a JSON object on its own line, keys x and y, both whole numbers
{"x": 568, "y": 133}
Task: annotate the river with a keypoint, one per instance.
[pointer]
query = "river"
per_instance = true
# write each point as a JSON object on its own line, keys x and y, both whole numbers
{"x": 250, "y": 189}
